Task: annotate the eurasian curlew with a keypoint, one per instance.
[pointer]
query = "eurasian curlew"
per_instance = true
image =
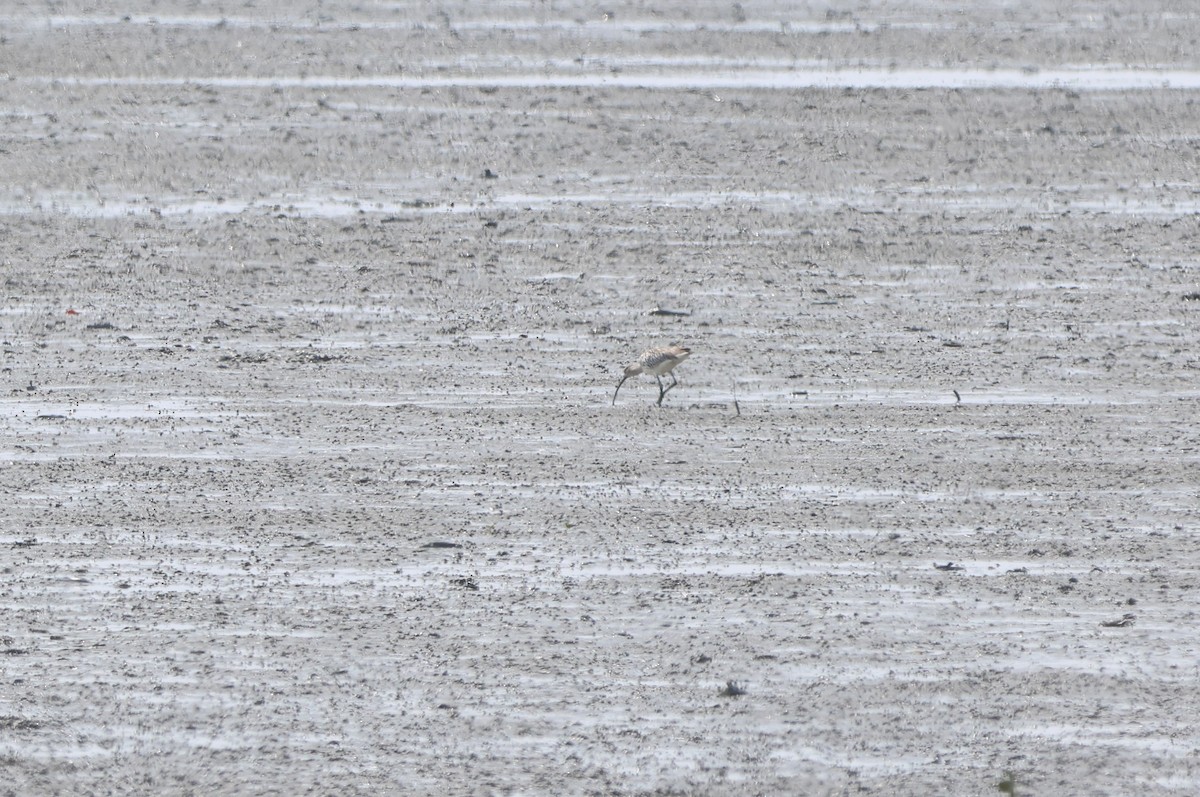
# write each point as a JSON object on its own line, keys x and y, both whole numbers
{"x": 656, "y": 362}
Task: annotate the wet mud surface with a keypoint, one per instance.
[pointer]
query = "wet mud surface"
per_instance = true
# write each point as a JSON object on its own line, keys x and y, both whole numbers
{"x": 311, "y": 323}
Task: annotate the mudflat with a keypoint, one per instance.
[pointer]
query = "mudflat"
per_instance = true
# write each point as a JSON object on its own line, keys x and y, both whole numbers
{"x": 314, "y": 482}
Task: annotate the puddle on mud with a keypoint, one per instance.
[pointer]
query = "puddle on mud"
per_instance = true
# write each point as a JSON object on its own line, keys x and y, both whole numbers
{"x": 695, "y": 76}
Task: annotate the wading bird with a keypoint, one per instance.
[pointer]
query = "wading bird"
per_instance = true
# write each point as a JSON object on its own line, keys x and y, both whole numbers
{"x": 656, "y": 362}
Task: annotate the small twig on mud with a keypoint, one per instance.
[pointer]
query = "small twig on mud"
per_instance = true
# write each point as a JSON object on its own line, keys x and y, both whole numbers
{"x": 736, "y": 406}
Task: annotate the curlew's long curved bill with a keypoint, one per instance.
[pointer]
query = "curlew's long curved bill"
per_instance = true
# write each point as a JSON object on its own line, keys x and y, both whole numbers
{"x": 618, "y": 390}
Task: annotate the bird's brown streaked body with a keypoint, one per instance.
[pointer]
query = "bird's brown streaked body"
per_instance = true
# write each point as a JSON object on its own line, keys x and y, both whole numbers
{"x": 656, "y": 362}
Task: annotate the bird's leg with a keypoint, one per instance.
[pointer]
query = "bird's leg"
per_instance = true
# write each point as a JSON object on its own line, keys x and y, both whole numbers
{"x": 661, "y": 391}
{"x": 674, "y": 381}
